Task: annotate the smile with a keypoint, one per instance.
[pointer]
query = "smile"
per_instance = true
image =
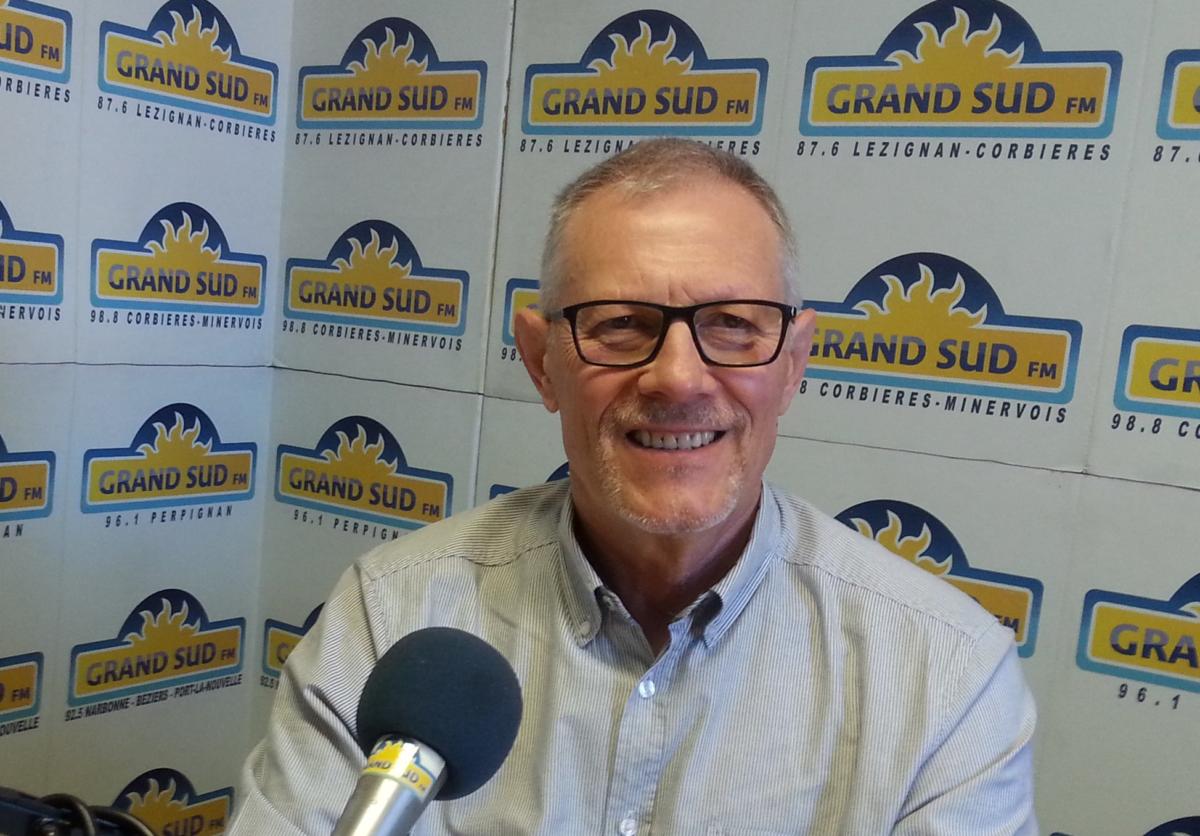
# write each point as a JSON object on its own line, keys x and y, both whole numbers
{"x": 674, "y": 441}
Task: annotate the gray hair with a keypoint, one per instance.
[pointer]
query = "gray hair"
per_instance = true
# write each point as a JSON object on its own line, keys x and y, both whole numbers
{"x": 657, "y": 165}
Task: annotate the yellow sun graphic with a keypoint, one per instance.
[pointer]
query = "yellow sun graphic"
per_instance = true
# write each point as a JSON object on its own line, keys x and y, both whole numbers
{"x": 177, "y": 444}
{"x": 156, "y": 808}
{"x": 955, "y": 53}
{"x": 373, "y": 263}
{"x": 191, "y": 43}
{"x": 911, "y": 548}
{"x": 389, "y": 63}
{"x": 364, "y": 460}
{"x": 185, "y": 246}
{"x": 163, "y": 630}
{"x": 648, "y": 60}
{"x": 921, "y": 306}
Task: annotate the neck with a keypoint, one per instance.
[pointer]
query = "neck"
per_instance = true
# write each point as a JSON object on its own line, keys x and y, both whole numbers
{"x": 657, "y": 576}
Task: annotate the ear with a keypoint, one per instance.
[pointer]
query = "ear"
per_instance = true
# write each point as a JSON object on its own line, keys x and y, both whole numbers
{"x": 532, "y": 332}
{"x": 800, "y": 337}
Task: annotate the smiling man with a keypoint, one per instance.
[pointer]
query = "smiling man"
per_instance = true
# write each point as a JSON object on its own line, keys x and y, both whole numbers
{"x": 698, "y": 652}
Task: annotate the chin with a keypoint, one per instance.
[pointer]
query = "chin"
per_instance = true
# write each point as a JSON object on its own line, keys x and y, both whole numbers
{"x": 679, "y": 518}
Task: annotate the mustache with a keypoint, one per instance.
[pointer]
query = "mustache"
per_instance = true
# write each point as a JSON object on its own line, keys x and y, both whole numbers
{"x": 700, "y": 416}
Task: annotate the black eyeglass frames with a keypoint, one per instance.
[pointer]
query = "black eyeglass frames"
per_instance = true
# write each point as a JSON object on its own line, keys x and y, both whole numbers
{"x": 734, "y": 333}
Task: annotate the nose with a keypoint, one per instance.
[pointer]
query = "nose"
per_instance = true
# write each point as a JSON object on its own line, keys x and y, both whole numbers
{"x": 678, "y": 372}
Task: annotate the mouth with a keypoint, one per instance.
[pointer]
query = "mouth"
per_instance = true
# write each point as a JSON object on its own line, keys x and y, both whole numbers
{"x": 674, "y": 441}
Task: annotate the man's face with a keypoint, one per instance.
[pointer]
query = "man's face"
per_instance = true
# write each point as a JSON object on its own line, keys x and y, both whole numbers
{"x": 674, "y": 446}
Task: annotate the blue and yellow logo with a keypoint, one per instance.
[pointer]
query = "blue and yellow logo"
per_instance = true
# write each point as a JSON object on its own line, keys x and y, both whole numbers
{"x": 180, "y": 262}
{"x": 519, "y": 294}
{"x": 1179, "y": 105}
{"x": 390, "y": 77}
{"x": 166, "y": 640}
{"x": 922, "y": 539}
{"x": 35, "y": 40}
{"x": 962, "y": 68}
{"x": 30, "y": 264}
{"x": 176, "y": 458}
{"x": 1159, "y": 371}
{"x": 560, "y": 472}
{"x": 26, "y": 484}
{"x": 280, "y": 638}
{"x": 358, "y": 469}
{"x": 1140, "y": 638}
{"x": 188, "y": 56}
{"x": 646, "y": 73}
{"x": 20, "y": 686}
{"x": 165, "y": 801}
{"x": 930, "y": 321}
{"x": 373, "y": 276}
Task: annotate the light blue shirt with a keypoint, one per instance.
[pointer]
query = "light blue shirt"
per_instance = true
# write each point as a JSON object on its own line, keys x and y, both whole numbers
{"x": 824, "y": 686}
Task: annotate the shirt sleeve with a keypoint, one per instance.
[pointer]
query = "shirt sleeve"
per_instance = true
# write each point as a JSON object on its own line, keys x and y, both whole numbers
{"x": 299, "y": 777}
{"x": 979, "y": 778}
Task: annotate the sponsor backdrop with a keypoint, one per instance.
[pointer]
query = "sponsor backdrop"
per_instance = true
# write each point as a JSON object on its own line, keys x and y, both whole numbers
{"x": 258, "y": 269}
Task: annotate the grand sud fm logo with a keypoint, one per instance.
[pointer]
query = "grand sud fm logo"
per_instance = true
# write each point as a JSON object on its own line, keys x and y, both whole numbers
{"x": 1179, "y": 105}
{"x": 180, "y": 262}
{"x": 1132, "y": 637}
{"x": 35, "y": 40}
{"x": 166, "y": 802}
{"x": 20, "y": 688}
{"x": 919, "y": 537}
{"x": 645, "y": 73}
{"x": 560, "y": 472}
{"x": 30, "y": 265}
{"x": 519, "y": 294}
{"x": 1159, "y": 371}
{"x": 357, "y": 469}
{"x": 167, "y": 640}
{"x": 929, "y": 321}
{"x": 188, "y": 56}
{"x": 390, "y": 77}
{"x": 373, "y": 276}
{"x": 26, "y": 484}
{"x": 175, "y": 458}
{"x": 279, "y": 640}
{"x": 962, "y": 68}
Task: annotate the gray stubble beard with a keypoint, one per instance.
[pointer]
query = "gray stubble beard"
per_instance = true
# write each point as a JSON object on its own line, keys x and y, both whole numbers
{"x": 674, "y": 521}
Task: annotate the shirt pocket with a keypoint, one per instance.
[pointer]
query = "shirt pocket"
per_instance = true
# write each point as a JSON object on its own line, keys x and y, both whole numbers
{"x": 735, "y": 830}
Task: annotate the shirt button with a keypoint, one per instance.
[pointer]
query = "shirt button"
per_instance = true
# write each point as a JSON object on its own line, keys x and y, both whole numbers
{"x": 585, "y": 627}
{"x": 627, "y": 827}
{"x": 646, "y": 690}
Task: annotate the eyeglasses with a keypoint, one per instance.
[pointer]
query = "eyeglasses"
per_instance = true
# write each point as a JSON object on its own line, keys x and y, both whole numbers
{"x": 738, "y": 332}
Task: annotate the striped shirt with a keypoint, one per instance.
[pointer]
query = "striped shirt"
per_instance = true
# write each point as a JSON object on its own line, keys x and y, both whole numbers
{"x": 823, "y": 686}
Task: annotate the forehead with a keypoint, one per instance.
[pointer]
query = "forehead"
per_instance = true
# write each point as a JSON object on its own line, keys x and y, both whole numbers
{"x": 702, "y": 239}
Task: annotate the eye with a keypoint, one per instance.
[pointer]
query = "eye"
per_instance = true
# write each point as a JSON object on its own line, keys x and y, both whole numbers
{"x": 616, "y": 324}
{"x": 733, "y": 322}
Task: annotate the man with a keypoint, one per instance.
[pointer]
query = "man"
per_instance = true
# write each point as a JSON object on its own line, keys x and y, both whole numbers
{"x": 698, "y": 652}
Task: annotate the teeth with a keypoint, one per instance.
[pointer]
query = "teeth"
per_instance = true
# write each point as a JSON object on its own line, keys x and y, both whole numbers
{"x": 674, "y": 441}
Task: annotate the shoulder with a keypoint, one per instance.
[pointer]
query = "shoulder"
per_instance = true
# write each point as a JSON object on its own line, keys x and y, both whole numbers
{"x": 494, "y": 534}
{"x": 863, "y": 575}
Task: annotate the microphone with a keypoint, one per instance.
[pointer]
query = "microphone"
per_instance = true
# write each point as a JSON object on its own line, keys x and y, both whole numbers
{"x": 437, "y": 717}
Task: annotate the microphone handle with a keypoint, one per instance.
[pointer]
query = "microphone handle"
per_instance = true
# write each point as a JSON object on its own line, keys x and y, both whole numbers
{"x": 400, "y": 779}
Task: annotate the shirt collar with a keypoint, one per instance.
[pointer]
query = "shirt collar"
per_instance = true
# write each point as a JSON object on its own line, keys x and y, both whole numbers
{"x": 733, "y": 592}
{"x": 582, "y": 582}
{"x": 711, "y": 614}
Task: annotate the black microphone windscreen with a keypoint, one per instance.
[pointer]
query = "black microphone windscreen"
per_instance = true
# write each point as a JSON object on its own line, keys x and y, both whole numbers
{"x": 451, "y": 691}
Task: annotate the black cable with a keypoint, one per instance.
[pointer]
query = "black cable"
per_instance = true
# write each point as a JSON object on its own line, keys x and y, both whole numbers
{"x": 64, "y": 801}
{"x": 124, "y": 821}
